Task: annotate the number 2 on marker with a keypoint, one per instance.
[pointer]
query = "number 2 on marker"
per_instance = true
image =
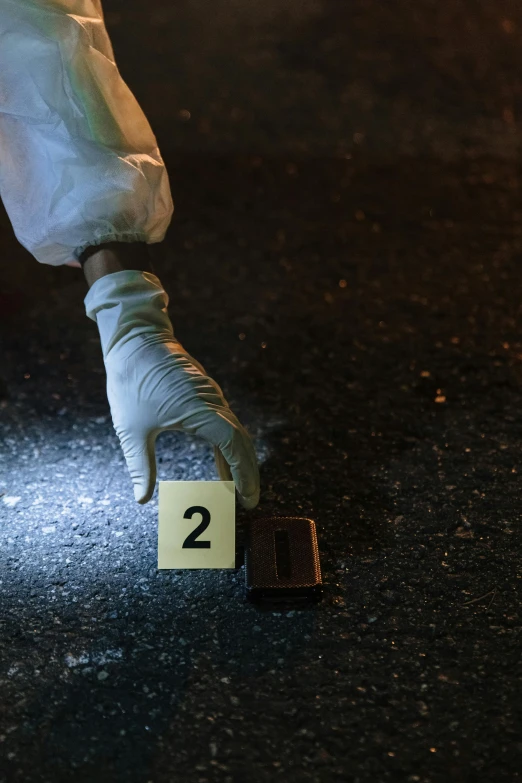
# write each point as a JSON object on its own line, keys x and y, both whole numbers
{"x": 191, "y": 541}
{"x": 196, "y": 523}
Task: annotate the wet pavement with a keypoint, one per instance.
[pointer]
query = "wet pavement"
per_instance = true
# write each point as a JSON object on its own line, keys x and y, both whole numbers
{"x": 345, "y": 261}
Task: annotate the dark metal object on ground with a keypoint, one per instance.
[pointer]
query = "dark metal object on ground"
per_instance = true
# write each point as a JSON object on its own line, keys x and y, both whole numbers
{"x": 282, "y": 560}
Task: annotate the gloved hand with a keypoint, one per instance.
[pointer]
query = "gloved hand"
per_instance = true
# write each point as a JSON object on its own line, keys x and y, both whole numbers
{"x": 153, "y": 384}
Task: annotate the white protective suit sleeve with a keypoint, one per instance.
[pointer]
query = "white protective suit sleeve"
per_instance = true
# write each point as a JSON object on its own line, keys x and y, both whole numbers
{"x": 79, "y": 163}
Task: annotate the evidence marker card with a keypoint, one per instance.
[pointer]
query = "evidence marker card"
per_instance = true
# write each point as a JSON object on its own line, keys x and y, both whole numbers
{"x": 197, "y": 524}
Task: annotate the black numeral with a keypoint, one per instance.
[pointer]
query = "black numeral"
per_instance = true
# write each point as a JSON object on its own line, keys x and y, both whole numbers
{"x": 191, "y": 541}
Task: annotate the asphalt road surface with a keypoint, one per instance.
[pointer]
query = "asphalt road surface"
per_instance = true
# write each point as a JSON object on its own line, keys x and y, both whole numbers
{"x": 345, "y": 260}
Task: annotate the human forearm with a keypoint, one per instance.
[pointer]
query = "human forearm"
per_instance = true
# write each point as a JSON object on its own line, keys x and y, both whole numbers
{"x": 110, "y": 257}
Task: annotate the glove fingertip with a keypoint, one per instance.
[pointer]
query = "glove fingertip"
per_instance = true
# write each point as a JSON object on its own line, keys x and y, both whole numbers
{"x": 142, "y": 496}
{"x": 249, "y": 502}
{"x": 139, "y": 497}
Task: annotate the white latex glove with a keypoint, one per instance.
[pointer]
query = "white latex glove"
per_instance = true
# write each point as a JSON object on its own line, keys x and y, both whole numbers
{"x": 153, "y": 384}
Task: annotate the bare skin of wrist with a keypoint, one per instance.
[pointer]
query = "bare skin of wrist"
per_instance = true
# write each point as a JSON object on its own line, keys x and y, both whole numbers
{"x": 114, "y": 257}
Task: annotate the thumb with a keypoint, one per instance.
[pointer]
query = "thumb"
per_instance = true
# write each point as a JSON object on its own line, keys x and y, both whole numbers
{"x": 222, "y": 466}
{"x": 140, "y": 456}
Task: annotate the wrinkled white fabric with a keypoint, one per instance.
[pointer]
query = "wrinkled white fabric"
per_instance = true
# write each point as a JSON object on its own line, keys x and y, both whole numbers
{"x": 79, "y": 163}
{"x": 153, "y": 384}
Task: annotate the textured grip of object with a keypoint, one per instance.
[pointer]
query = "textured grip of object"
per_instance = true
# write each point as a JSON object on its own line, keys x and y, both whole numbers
{"x": 262, "y": 560}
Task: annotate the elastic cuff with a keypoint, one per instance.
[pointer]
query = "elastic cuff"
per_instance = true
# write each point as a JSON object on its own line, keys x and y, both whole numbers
{"x": 83, "y": 252}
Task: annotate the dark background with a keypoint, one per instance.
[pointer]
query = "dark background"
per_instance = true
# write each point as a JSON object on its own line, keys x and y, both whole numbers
{"x": 345, "y": 260}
